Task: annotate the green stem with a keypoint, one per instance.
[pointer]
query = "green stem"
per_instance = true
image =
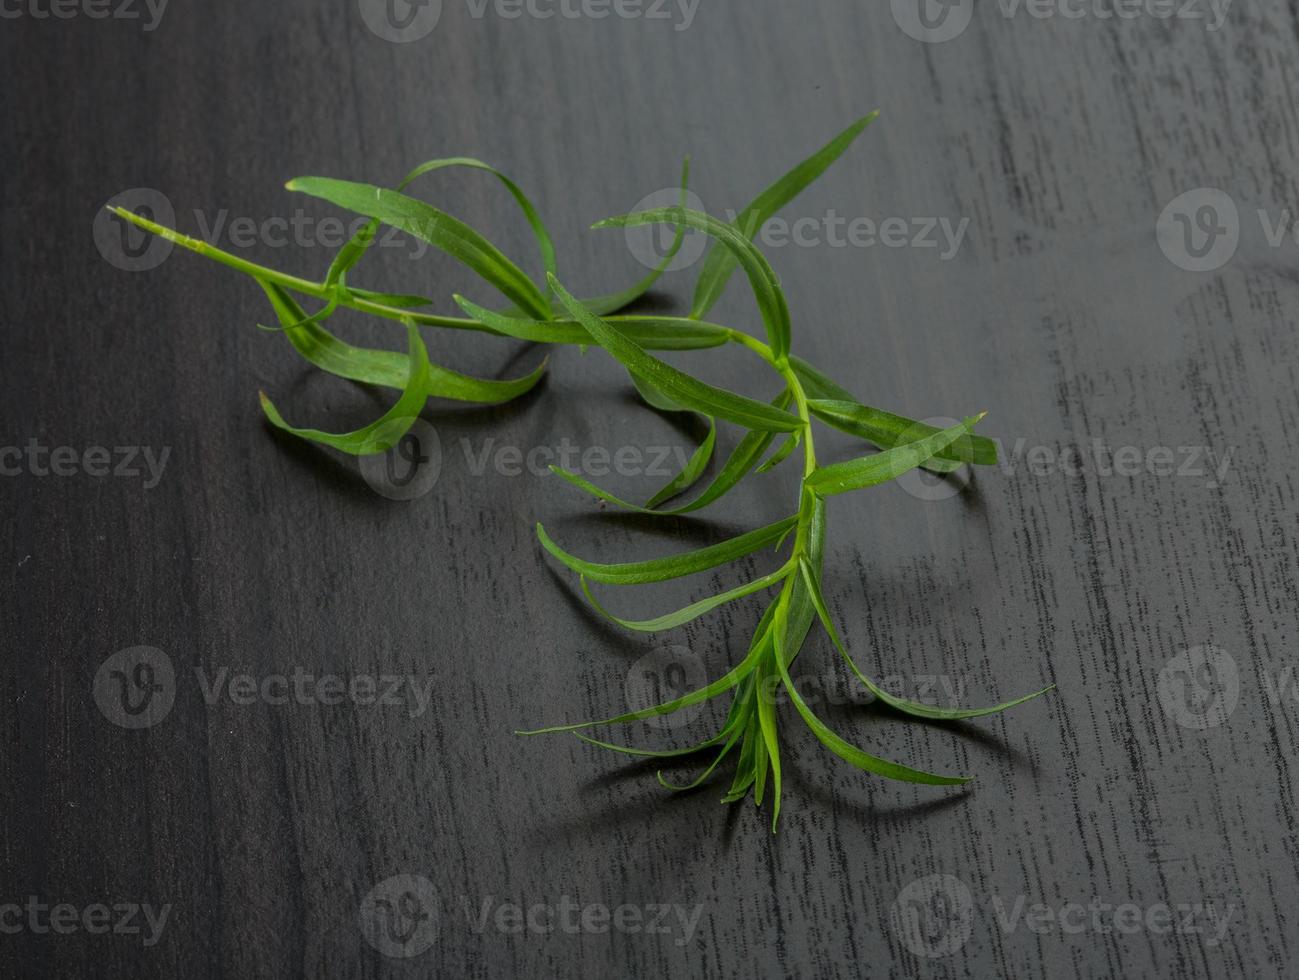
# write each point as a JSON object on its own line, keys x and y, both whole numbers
{"x": 781, "y": 366}
{"x": 318, "y": 290}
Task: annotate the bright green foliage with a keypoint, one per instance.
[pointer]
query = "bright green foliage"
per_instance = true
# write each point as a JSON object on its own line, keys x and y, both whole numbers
{"x": 544, "y": 311}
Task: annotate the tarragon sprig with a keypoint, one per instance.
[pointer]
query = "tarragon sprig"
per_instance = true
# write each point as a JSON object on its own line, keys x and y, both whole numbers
{"x": 548, "y": 313}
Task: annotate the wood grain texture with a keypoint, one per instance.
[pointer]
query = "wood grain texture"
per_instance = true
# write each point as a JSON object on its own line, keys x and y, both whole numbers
{"x": 265, "y": 826}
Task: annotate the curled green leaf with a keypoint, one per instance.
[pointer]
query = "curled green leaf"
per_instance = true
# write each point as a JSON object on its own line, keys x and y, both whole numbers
{"x": 383, "y": 367}
{"x": 766, "y": 286}
{"x": 849, "y": 752}
{"x": 673, "y": 566}
{"x": 382, "y": 434}
{"x": 742, "y": 459}
{"x": 720, "y": 263}
{"x": 916, "y": 708}
{"x": 887, "y": 430}
{"x": 869, "y": 471}
{"x": 677, "y": 385}
{"x": 692, "y": 611}
{"x": 612, "y": 303}
{"x": 650, "y": 332}
{"x": 691, "y": 472}
{"x": 437, "y": 228}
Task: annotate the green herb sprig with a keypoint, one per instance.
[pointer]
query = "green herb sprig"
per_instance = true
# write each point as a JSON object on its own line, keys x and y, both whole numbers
{"x": 548, "y": 313}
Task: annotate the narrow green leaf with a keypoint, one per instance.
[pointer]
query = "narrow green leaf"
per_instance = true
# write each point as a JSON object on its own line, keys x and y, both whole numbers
{"x": 356, "y": 247}
{"x": 652, "y": 396}
{"x": 691, "y": 472}
{"x": 744, "y": 768}
{"x": 800, "y": 613}
{"x": 435, "y": 227}
{"x": 786, "y": 448}
{"x": 699, "y": 459}
{"x": 816, "y": 383}
{"x": 706, "y": 693}
{"x": 677, "y": 385}
{"x": 766, "y": 286}
{"x": 382, "y": 434}
{"x": 767, "y": 726}
{"x": 759, "y": 760}
{"x": 692, "y": 611}
{"x": 869, "y": 471}
{"x": 915, "y": 708}
{"x": 746, "y": 453}
{"x": 719, "y": 264}
{"x": 612, "y": 303}
{"x": 654, "y": 333}
{"x": 822, "y": 388}
{"x": 850, "y": 753}
{"x": 887, "y": 430}
{"x": 712, "y": 766}
{"x": 673, "y": 566}
{"x": 539, "y": 232}
{"x": 732, "y": 732}
{"x": 652, "y": 753}
{"x": 402, "y": 301}
{"x": 383, "y": 367}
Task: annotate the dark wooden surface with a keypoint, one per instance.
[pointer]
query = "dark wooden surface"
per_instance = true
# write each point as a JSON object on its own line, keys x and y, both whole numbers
{"x": 264, "y": 826}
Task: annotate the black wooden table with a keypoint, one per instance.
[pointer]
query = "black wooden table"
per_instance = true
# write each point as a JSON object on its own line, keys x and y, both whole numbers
{"x": 1092, "y": 238}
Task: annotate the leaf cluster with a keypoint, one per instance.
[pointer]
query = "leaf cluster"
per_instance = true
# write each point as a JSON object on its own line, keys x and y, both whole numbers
{"x": 546, "y": 312}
